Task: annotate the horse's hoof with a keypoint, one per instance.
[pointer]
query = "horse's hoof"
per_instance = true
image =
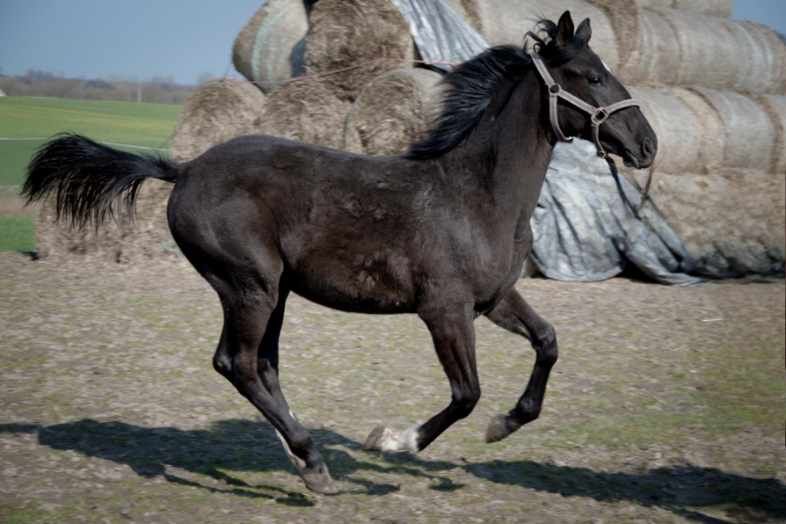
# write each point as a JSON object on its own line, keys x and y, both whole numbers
{"x": 318, "y": 480}
{"x": 375, "y": 439}
{"x": 500, "y": 427}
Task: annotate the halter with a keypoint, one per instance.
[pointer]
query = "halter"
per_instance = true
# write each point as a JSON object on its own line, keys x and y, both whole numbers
{"x": 598, "y": 115}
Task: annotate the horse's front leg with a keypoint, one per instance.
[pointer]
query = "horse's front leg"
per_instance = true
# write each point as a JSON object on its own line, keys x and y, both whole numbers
{"x": 515, "y": 315}
{"x": 454, "y": 340}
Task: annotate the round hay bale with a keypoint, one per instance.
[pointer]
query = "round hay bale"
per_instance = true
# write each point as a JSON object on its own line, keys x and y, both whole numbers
{"x": 306, "y": 110}
{"x": 624, "y": 18}
{"x": 683, "y": 48}
{"x": 776, "y": 107}
{"x": 391, "y": 112}
{"x": 750, "y": 134}
{"x": 217, "y": 111}
{"x": 680, "y": 129}
{"x": 711, "y": 133}
{"x": 507, "y": 22}
{"x": 764, "y": 70}
{"x": 117, "y": 241}
{"x": 732, "y": 221}
{"x": 349, "y": 42}
{"x": 269, "y": 48}
{"x": 720, "y": 8}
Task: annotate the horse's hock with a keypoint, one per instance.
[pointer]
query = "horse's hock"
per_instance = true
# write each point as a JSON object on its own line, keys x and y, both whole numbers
{"x": 713, "y": 89}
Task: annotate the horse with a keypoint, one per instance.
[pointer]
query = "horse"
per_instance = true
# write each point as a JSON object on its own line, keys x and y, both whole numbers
{"x": 440, "y": 231}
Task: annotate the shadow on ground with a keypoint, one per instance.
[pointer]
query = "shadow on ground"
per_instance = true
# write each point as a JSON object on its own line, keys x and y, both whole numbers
{"x": 241, "y": 445}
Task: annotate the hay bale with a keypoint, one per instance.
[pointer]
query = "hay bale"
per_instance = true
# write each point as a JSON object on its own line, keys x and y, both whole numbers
{"x": 732, "y": 221}
{"x": 217, "y": 111}
{"x": 700, "y": 130}
{"x": 391, "y": 112}
{"x": 118, "y": 241}
{"x": 624, "y": 19}
{"x": 680, "y": 130}
{"x": 306, "y": 110}
{"x": 502, "y": 22}
{"x": 269, "y": 48}
{"x": 776, "y": 108}
{"x": 764, "y": 70}
{"x": 682, "y": 48}
{"x": 750, "y": 135}
{"x": 711, "y": 133}
{"x": 720, "y": 8}
{"x": 349, "y": 42}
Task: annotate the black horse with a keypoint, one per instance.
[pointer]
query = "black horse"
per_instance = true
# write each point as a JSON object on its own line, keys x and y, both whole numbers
{"x": 441, "y": 231}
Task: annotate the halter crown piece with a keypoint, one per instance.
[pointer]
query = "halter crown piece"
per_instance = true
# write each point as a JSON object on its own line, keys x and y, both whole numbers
{"x": 598, "y": 115}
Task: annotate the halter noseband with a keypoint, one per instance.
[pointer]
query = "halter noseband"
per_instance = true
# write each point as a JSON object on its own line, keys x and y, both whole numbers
{"x": 598, "y": 115}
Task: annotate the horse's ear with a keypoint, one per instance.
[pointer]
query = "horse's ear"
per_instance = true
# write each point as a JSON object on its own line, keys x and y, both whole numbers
{"x": 584, "y": 32}
{"x": 565, "y": 29}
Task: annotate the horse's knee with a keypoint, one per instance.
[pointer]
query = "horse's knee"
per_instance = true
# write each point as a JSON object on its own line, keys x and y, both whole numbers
{"x": 464, "y": 401}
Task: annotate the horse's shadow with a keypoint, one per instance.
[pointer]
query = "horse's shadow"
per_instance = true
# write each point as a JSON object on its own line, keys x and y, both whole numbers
{"x": 241, "y": 445}
{"x": 236, "y": 445}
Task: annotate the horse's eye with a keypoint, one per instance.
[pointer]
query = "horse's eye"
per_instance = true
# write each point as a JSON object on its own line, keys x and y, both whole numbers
{"x": 594, "y": 78}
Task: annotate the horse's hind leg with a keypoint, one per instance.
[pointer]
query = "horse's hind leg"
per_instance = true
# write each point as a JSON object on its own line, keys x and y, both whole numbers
{"x": 515, "y": 315}
{"x": 267, "y": 368}
{"x": 253, "y": 309}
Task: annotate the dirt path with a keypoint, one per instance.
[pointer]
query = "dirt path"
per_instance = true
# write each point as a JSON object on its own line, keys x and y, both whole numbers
{"x": 667, "y": 405}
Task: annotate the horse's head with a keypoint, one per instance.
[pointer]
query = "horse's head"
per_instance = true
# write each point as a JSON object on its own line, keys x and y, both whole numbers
{"x": 607, "y": 116}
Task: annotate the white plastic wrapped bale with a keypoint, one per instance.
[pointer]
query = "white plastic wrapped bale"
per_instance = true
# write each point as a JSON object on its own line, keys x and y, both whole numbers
{"x": 583, "y": 231}
{"x": 269, "y": 48}
{"x": 392, "y": 111}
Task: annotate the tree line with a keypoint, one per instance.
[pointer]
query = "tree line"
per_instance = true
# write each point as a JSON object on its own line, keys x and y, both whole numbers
{"x": 35, "y": 82}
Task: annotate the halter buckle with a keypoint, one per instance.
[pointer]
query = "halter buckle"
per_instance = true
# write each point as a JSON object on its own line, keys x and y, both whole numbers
{"x": 599, "y": 116}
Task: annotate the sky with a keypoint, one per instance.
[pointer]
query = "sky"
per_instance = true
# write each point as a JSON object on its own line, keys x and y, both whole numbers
{"x": 141, "y": 39}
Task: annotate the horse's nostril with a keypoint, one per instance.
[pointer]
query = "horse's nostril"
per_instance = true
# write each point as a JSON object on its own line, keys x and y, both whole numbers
{"x": 647, "y": 147}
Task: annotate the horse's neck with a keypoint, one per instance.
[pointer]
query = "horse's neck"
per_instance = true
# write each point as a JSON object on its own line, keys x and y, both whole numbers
{"x": 509, "y": 153}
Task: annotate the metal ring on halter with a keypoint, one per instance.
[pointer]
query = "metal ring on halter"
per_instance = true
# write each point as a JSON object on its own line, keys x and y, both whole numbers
{"x": 599, "y": 116}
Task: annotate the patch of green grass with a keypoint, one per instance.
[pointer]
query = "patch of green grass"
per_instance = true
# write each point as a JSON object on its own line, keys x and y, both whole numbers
{"x": 142, "y": 124}
{"x": 15, "y": 156}
{"x": 26, "y": 122}
{"x": 17, "y": 233}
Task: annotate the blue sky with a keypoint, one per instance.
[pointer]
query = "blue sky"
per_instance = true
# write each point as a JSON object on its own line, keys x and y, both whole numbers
{"x": 177, "y": 38}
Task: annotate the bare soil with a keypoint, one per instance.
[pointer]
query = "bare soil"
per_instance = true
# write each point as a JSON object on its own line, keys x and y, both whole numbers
{"x": 667, "y": 405}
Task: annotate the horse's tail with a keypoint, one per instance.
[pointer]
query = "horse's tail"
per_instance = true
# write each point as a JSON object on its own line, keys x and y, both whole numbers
{"x": 87, "y": 177}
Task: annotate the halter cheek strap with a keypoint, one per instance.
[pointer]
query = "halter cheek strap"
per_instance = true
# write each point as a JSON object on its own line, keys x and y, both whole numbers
{"x": 598, "y": 115}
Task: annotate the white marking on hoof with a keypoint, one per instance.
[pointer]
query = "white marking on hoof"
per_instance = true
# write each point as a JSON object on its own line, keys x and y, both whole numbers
{"x": 385, "y": 439}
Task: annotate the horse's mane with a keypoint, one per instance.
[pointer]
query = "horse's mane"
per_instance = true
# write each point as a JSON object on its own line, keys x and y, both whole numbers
{"x": 470, "y": 87}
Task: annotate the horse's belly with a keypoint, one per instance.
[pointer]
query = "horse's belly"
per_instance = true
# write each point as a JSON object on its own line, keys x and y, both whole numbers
{"x": 363, "y": 285}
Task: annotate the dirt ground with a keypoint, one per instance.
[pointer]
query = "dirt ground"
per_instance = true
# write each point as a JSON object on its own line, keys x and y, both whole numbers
{"x": 667, "y": 405}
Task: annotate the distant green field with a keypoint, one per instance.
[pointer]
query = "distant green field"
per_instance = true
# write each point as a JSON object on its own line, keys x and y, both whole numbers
{"x": 26, "y": 122}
